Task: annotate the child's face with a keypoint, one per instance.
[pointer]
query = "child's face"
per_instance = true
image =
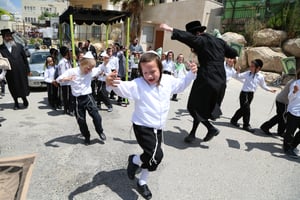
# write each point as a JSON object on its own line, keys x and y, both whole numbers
{"x": 254, "y": 69}
{"x": 50, "y": 61}
{"x": 151, "y": 72}
{"x": 105, "y": 59}
{"x": 230, "y": 62}
{"x": 180, "y": 59}
{"x": 170, "y": 56}
{"x": 86, "y": 69}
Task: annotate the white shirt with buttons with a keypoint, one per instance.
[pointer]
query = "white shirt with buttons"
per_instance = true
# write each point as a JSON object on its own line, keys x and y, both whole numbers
{"x": 294, "y": 99}
{"x": 152, "y": 102}
{"x": 251, "y": 81}
{"x": 81, "y": 84}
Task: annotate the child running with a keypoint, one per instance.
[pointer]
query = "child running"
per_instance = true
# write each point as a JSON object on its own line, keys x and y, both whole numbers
{"x": 80, "y": 80}
{"x": 151, "y": 94}
{"x": 252, "y": 78}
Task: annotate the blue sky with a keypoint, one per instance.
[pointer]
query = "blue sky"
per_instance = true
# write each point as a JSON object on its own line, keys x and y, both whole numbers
{"x": 11, "y": 5}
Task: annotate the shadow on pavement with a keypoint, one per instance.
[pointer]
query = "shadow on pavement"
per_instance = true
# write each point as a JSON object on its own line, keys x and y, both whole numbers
{"x": 182, "y": 112}
{"x": 275, "y": 149}
{"x": 233, "y": 144}
{"x": 125, "y": 141}
{"x": 70, "y": 139}
{"x": 116, "y": 180}
{"x": 176, "y": 139}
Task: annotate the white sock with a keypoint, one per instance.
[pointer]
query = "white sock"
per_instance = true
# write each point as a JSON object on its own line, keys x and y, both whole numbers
{"x": 144, "y": 177}
{"x": 137, "y": 160}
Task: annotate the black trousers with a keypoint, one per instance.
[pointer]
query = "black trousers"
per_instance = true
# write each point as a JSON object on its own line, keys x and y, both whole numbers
{"x": 52, "y": 92}
{"x": 244, "y": 110}
{"x": 102, "y": 94}
{"x": 277, "y": 119}
{"x": 134, "y": 73}
{"x": 292, "y": 139}
{"x": 68, "y": 98}
{"x": 87, "y": 103}
{"x": 150, "y": 141}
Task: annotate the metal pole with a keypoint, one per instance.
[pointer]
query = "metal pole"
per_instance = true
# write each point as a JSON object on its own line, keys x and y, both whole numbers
{"x": 107, "y": 26}
{"x": 72, "y": 40}
{"x": 127, "y": 51}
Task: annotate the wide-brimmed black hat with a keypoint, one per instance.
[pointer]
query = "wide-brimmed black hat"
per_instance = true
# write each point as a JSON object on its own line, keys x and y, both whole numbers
{"x": 6, "y": 31}
{"x": 194, "y": 26}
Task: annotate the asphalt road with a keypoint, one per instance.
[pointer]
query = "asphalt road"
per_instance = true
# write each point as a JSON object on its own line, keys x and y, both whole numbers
{"x": 234, "y": 165}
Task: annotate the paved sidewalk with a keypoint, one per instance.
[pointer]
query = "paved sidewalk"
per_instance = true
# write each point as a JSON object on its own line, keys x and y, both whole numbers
{"x": 234, "y": 165}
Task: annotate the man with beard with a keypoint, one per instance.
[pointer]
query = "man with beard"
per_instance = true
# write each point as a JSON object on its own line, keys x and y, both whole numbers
{"x": 16, "y": 77}
{"x": 209, "y": 87}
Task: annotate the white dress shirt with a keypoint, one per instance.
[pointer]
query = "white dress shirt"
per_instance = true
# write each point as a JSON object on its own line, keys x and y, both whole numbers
{"x": 152, "y": 102}
{"x": 104, "y": 70}
{"x": 81, "y": 84}
{"x": 230, "y": 72}
{"x": 251, "y": 82}
{"x": 168, "y": 66}
{"x": 49, "y": 74}
{"x": 114, "y": 63}
{"x": 294, "y": 99}
{"x": 63, "y": 65}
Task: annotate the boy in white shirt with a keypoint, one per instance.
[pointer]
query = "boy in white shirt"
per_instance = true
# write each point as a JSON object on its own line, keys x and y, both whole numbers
{"x": 151, "y": 92}
{"x": 252, "y": 78}
{"x": 79, "y": 79}
{"x": 102, "y": 94}
{"x": 292, "y": 139}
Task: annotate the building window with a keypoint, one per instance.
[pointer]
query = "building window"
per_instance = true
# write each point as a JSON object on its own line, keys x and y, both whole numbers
{"x": 148, "y": 32}
{"x": 96, "y": 31}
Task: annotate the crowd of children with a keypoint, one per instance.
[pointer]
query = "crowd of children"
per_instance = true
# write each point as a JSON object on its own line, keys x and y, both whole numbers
{"x": 151, "y": 83}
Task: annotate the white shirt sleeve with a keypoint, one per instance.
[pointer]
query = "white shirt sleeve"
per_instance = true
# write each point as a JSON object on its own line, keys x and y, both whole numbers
{"x": 181, "y": 83}
{"x": 127, "y": 89}
{"x": 263, "y": 84}
{"x": 47, "y": 76}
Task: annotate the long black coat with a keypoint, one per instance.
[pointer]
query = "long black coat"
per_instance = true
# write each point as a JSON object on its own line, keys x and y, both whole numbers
{"x": 209, "y": 87}
{"x": 17, "y": 77}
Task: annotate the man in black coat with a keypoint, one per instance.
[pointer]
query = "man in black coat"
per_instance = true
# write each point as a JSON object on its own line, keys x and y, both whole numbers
{"x": 16, "y": 77}
{"x": 209, "y": 87}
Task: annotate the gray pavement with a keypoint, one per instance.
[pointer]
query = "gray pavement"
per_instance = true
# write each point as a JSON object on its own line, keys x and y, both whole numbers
{"x": 234, "y": 165}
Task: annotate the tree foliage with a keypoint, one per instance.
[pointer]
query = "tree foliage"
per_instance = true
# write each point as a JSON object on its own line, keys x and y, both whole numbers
{"x": 47, "y": 14}
{"x": 5, "y": 12}
{"x": 136, "y": 8}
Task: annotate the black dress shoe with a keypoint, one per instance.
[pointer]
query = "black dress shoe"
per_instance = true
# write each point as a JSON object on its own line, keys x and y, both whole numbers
{"x": 291, "y": 153}
{"x": 25, "y": 103}
{"x": 265, "y": 130}
{"x": 210, "y": 134}
{"x": 144, "y": 191}
{"x": 131, "y": 168}
{"x": 87, "y": 141}
{"x": 16, "y": 106}
{"x": 234, "y": 124}
{"x": 71, "y": 113}
{"x": 190, "y": 138}
{"x": 249, "y": 129}
{"x": 102, "y": 136}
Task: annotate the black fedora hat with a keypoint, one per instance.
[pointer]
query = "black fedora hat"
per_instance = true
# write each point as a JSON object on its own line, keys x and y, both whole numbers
{"x": 194, "y": 26}
{"x": 6, "y": 31}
